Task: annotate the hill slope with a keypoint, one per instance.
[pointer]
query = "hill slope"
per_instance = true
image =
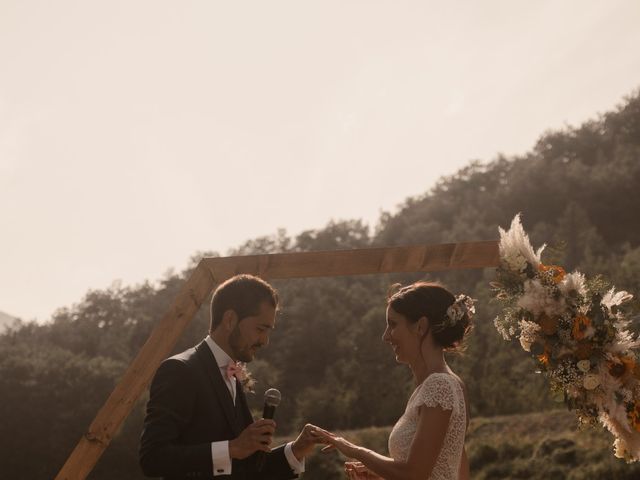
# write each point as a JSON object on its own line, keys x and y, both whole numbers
{"x": 533, "y": 446}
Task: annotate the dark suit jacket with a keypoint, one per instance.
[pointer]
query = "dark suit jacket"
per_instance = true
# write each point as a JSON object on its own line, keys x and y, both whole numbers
{"x": 189, "y": 407}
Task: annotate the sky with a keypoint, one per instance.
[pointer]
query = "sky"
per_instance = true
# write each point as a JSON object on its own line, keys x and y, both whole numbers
{"x": 134, "y": 134}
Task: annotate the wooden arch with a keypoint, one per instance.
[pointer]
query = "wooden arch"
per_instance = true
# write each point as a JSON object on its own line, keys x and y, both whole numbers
{"x": 211, "y": 272}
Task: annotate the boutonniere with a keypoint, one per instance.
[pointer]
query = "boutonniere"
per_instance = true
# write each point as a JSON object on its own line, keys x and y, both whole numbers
{"x": 239, "y": 370}
{"x": 247, "y": 382}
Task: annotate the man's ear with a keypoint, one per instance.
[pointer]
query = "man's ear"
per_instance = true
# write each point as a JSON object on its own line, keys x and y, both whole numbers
{"x": 229, "y": 320}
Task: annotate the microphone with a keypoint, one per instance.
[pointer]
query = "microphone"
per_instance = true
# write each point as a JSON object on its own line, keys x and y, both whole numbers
{"x": 272, "y": 399}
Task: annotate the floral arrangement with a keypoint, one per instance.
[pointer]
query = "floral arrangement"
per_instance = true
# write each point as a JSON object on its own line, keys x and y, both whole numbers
{"x": 576, "y": 330}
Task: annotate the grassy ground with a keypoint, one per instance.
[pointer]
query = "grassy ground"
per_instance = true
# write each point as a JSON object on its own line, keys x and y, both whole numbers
{"x": 544, "y": 445}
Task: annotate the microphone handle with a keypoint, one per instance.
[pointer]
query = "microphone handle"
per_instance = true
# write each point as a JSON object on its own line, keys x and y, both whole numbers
{"x": 267, "y": 413}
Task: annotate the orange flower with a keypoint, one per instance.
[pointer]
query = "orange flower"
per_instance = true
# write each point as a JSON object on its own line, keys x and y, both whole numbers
{"x": 548, "y": 325}
{"x": 580, "y": 325}
{"x": 545, "y": 356}
{"x": 622, "y": 367}
{"x": 557, "y": 272}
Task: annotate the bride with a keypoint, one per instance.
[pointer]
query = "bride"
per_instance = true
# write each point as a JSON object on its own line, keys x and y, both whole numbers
{"x": 423, "y": 321}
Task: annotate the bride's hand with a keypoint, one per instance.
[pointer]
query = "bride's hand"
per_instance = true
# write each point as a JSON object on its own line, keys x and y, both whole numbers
{"x": 357, "y": 471}
{"x": 332, "y": 441}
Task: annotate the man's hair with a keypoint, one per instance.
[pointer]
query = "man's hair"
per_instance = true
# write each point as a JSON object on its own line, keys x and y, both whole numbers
{"x": 243, "y": 294}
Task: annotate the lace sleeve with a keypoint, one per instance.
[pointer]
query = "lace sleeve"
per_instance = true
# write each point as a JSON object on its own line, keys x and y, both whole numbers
{"x": 436, "y": 391}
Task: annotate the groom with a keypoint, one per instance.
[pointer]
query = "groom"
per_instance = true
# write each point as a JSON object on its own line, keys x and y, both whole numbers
{"x": 198, "y": 424}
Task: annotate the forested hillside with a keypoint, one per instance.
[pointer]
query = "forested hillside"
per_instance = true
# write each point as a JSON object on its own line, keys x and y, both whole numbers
{"x": 578, "y": 190}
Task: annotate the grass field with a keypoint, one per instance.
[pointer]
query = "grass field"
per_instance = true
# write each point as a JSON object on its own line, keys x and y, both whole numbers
{"x": 545, "y": 445}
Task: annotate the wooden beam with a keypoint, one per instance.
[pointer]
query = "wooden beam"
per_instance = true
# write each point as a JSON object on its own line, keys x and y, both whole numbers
{"x": 212, "y": 271}
{"x": 417, "y": 258}
{"x": 135, "y": 380}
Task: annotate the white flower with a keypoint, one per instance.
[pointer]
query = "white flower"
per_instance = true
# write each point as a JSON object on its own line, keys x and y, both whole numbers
{"x": 620, "y": 448}
{"x": 528, "y": 334}
{"x": 504, "y": 327}
{"x": 463, "y": 304}
{"x": 573, "y": 281}
{"x": 624, "y": 340}
{"x": 516, "y": 262}
{"x": 455, "y": 313}
{"x": 618, "y": 412}
{"x": 612, "y": 298}
{"x": 537, "y": 299}
{"x": 591, "y": 381}
{"x": 584, "y": 365}
{"x": 515, "y": 248}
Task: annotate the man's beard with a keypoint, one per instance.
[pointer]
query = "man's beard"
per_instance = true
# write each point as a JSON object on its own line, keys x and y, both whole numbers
{"x": 235, "y": 342}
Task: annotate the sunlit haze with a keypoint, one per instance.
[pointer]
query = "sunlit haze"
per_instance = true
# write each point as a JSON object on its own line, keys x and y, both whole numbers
{"x": 134, "y": 134}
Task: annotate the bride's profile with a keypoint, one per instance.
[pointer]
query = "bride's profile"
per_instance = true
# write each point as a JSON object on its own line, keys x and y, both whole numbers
{"x": 424, "y": 320}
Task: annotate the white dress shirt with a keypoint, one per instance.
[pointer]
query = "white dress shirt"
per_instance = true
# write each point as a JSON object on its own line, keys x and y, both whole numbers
{"x": 220, "y": 450}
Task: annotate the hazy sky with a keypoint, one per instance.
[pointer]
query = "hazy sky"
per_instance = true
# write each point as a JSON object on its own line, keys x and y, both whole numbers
{"x": 135, "y": 133}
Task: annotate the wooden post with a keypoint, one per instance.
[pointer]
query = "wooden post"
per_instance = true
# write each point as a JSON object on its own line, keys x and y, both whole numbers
{"x": 212, "y": 271}
{"x": 135, "y": 380}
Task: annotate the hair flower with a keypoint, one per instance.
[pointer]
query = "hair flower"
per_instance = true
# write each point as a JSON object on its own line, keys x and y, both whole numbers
{"x": 456, "y": 311}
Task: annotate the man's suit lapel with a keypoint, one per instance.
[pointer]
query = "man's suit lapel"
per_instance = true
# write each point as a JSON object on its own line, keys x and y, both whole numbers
{"x": 219, "y": 386}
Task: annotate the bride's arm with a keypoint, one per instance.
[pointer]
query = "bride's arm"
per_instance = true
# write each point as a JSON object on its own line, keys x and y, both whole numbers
{"x": 425, "y": 448}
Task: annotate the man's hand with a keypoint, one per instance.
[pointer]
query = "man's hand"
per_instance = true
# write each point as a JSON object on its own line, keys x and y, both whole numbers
{"x": 257, "y": 436}
{"x": 333, "y": 441}
{"x": 303, "y": 445}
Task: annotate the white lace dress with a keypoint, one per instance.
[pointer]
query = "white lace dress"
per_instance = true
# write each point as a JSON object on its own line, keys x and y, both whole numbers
{"x": 445, "y": 391}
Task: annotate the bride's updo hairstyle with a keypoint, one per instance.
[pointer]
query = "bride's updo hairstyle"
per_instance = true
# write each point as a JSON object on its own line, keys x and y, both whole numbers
{"x": 432, "y": 300}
